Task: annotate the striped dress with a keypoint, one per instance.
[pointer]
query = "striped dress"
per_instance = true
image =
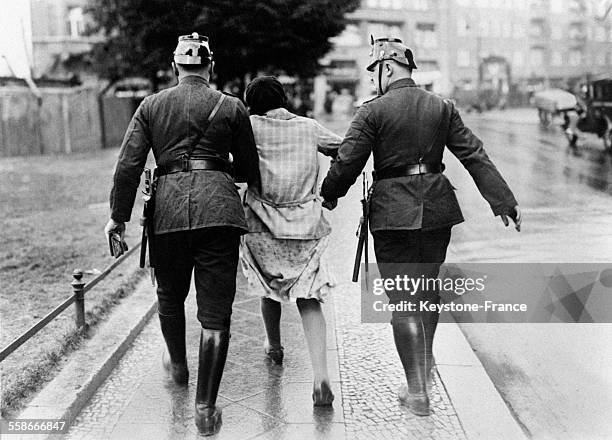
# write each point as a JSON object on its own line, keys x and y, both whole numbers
{"x": 283, "y": 255}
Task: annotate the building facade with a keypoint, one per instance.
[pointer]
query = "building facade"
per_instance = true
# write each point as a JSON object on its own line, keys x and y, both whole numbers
{"x": 59, "y": 36}
{"x": 420, "y": 23}
{"x": 505, "y": 46}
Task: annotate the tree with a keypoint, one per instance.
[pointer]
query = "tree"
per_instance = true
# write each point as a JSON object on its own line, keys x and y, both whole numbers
{"x": 246, "y": 36}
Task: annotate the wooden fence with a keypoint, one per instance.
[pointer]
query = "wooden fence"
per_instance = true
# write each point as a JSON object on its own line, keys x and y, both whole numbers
{"x": 66, "y": 120}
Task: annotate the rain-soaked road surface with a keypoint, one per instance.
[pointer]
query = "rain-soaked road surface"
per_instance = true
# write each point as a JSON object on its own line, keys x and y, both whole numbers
{"x": 557, "y": 378}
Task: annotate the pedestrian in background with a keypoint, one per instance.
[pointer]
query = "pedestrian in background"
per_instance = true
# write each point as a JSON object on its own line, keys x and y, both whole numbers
{"x": 283, "y": 253}
{"x": 198, "y": 218}
{"x": 413, "y": 205}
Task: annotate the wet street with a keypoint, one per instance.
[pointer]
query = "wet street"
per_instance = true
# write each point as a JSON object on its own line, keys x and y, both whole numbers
{"x": 556, "y": 378}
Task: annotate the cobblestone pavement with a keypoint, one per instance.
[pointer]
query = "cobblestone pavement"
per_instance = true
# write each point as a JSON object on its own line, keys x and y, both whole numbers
{"x": 370, "y": 370}
{"x": 371, "y": 374}
{"x": 263, "y": 401}
{"x": 259, "y": 400}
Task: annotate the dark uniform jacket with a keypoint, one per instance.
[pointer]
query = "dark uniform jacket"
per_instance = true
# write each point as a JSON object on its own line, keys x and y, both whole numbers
{"x": 168, "y": 123}
{"x": 397, "y": 128}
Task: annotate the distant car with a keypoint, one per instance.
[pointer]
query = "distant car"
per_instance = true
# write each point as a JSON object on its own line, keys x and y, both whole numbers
{"x": 598, "y": 118}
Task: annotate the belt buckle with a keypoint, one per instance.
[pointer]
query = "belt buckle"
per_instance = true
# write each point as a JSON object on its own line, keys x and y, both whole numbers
{"x": 185, "y": 162}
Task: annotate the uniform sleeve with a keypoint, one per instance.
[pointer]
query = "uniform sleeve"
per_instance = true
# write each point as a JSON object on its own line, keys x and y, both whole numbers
{"x": 352, "y": 156}
{"x": 468, "y": 148}
{"x": 243, "y": 149}
{"x": 328, "y": 142}
{"x": 132, "y": 159}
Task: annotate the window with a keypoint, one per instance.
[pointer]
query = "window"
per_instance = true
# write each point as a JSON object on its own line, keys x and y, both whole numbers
{"x": 464, "y": 58}
{"x": 463, "y": 27}
{"x": 536, "y": 30}
{"x": 507, "y": 29}
{"x": 556, "y": 58}
{"x": 575, "y": 58}
{"x": 76, "y": 22}
{"x": 576, "y": 32}
{"x": 536, "y": 56}
{"x": 518, "y": 30}
{"x": 350, "y": 37}
{"x": 419, "y": 5}
{"x": 425, "y": 35}
{"x": 485, "y": 28}
{"x": 378, "y": 30}
{"x": 539, "y": 4}
{"x": 601, "y": 58}
{"x": 518, "y": 59}
{"x": 557, "y": 7}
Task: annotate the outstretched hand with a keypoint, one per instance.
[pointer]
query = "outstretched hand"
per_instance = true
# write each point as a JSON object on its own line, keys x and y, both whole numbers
{"x": 515, "y": 215}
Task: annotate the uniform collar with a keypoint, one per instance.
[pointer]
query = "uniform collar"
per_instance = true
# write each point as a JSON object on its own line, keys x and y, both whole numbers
{"x": 280, "y": 113}
{"x": 193, "y": 79}
{"x": 404, "y": 82}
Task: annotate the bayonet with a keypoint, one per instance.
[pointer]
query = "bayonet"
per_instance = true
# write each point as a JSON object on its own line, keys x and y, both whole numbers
{"x": 146, "y": 222}
{"x": 362, "y": 231}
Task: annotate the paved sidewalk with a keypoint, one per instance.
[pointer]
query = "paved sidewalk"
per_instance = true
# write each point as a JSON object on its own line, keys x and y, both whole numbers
{"x": 259, "y": 399}
{"x": 264, "y": 401}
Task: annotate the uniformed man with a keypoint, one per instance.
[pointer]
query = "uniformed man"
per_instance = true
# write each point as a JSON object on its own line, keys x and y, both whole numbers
{"x": 198, "y": 219}
{"x": 413, "y": 205}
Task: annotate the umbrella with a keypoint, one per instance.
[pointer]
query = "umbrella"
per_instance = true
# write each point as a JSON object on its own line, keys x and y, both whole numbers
{"x": 553, "y": 100}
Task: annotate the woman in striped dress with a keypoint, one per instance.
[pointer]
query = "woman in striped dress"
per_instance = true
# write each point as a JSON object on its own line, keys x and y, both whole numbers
{"x": 283, "y": 255}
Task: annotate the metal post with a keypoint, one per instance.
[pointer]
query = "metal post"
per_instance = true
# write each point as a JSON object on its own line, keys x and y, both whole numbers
{"x": 79, "y": 297}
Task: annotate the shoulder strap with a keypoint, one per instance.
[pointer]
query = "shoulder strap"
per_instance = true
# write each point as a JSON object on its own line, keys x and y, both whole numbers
{"x": 210, "y": 118}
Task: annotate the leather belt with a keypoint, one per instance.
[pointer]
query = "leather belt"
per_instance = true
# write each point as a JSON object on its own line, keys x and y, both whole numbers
{"x": 408, "y": 170}
{"x": 191, "y": 165}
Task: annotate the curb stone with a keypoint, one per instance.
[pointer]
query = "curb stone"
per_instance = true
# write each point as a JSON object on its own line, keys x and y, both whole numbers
{"x": 65, "y": 396}
{"x": 480, "y": 408}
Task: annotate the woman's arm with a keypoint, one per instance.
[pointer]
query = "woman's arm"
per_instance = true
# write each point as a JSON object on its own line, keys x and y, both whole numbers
{"x": 328, "y": 142}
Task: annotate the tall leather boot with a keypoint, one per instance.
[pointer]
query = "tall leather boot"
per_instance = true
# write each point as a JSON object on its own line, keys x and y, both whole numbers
{"x": 213, "y": 352}
{"x": 411, "y": 344}
{"x": 175, "y": 359}
{"x": 430, "y": 320}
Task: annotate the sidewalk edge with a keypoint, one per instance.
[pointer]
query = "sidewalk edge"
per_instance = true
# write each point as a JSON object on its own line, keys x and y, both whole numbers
{"x": 66, "y": 395}
{"x": 480, "y": 408}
